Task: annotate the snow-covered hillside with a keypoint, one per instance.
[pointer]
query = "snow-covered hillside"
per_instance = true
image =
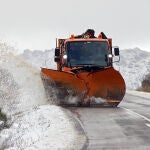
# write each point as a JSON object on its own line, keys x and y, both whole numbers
{"x": 39, "y": 58}
{"x": 134, "y": 63}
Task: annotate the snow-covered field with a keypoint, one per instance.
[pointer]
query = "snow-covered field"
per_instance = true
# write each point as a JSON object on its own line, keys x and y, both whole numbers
{"x": 32, "y": 122}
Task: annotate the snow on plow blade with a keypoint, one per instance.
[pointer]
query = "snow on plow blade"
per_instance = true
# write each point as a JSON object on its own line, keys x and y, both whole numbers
{"x": 107, "y": 84}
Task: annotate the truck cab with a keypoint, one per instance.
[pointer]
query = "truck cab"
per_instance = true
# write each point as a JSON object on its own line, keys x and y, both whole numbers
{"x": 73, "y": 53}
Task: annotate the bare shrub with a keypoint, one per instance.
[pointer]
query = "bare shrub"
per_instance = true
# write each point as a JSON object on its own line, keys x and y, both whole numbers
{"x": 145, "y": 84}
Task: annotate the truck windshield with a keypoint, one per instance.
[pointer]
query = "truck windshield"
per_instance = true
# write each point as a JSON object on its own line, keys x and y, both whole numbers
{"x": 87, "y": 53}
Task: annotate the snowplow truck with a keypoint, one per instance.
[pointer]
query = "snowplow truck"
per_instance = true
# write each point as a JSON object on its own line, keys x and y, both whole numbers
{"x": 85, "y": 70}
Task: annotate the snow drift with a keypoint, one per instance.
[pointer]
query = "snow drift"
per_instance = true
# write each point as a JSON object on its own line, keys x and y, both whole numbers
{"x": 32, "y": 122}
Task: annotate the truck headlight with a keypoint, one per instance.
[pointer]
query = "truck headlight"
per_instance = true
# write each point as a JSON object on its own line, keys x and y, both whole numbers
{"x": 110, "y": 56}
{"x": 64, "y": 56}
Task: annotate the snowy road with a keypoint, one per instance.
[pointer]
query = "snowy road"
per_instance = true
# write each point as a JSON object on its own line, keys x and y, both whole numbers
{"x": 126, "y": 127}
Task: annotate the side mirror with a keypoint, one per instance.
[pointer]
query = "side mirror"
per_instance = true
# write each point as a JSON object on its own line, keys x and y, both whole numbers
{"x": 116, "y": 51}
{"x": 56, "y": 59}
{"x": 57, "y": 51}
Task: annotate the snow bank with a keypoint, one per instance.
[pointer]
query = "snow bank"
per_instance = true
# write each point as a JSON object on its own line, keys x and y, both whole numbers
{"x": 43, "y": 127}
{"x": 33, "y": 123}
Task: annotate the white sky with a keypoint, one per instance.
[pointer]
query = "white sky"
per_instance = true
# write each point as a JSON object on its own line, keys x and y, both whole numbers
{"x": 34, "y": 24}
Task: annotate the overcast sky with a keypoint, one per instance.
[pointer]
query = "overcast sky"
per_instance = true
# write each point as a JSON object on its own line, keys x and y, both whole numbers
{"x": 34, "y": 24}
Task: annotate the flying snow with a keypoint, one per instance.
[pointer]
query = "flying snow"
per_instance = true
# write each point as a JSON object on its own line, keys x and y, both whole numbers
{"x": 32, "y": 122}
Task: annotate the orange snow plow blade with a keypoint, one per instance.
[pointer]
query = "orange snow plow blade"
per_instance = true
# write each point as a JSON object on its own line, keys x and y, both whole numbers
{"x": 106, "y": 83}
{"x": 64, "y": 80}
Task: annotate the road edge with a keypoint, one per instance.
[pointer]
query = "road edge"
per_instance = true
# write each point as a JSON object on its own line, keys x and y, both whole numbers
{"x": 139, "y": 94}
{"x": 83, "y": 144}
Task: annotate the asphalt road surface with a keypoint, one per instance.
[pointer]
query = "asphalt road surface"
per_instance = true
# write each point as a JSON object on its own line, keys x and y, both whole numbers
{"x": 126, "y": 127}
